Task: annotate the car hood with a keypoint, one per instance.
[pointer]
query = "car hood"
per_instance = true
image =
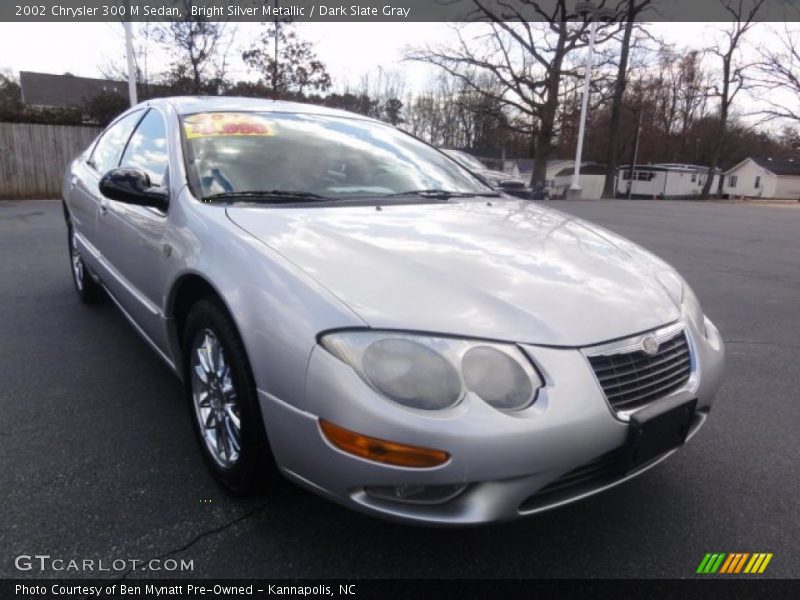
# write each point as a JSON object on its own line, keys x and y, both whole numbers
{"x": 500, "y": 270}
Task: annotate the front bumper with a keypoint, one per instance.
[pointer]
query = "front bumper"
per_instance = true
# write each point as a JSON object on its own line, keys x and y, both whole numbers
{"x": 503, "y": 458}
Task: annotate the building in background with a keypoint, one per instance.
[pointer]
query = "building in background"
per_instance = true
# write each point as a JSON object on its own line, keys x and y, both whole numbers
{"x": 522, "y": 168}
{"x": 87, "y": 100}
{"x": 46, "y": 90}
{"x": 758, "y": 177}
{"x": 663, "y": 181}
{"x": 592, "y": 182}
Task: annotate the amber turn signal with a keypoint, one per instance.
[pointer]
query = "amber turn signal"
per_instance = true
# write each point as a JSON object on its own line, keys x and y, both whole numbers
{"x": 382, "y": 451}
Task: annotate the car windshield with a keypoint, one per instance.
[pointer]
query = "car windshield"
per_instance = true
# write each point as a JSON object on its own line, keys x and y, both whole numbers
{"x": 465, "y": 159}
{"x": 295, "y": 156}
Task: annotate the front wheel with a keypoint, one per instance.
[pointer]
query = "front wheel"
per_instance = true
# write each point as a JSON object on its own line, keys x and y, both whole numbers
{"x": 223, "y": 399}
{"x": 88, "y": 290}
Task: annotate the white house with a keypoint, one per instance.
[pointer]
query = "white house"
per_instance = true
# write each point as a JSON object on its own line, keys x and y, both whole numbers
{"x": 592, "y": 181}
{"x": 665, "y": 180}
{"x": 757, "y": 177}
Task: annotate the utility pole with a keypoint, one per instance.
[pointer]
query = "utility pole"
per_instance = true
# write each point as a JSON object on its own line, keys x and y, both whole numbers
{"x": 275, "y": 61}
{"x": 590, "y": 13}
{"x": 575, "y": 188}
{"x": 635, "y": 154}
{"x": 129, "y": 56}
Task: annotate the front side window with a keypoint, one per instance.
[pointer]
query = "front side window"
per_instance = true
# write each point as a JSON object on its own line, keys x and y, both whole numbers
{"x": 332, "y": 157}
{"x": 108, "y": 150}
{"x": 147, "y": 149}
{"x": 758, "y": 181}
{"x": 732, "y": 180}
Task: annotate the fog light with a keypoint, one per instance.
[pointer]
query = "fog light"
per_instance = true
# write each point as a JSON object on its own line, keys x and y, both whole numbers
{"x": 384, "y": 451}
{"x": 416, "y": 494}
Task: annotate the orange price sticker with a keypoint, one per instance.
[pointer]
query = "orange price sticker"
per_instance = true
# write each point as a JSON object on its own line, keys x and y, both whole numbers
{"x": 226, "y": 125}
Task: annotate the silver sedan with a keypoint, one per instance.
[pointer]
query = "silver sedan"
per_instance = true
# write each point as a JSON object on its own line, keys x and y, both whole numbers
{"x": 352, "y": 308}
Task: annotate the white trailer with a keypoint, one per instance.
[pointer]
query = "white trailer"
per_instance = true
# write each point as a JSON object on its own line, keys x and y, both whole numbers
{"x": 663, "y": 181}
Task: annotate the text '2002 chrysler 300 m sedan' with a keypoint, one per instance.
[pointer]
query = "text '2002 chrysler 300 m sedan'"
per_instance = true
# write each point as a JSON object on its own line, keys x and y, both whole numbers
{"x": 349, "y": 303}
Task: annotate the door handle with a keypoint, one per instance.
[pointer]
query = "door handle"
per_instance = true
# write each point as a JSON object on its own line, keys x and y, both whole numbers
{"x": 103, "y": 208}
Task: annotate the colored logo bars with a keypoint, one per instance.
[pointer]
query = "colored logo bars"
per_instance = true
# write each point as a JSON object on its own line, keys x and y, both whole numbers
{"x": 735, "y": 562}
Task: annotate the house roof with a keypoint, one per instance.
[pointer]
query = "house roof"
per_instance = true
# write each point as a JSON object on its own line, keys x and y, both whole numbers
{"x": 585, "y": 170}
{"x": 777, "y": 166}
{"x": 672, "y": 167}
{"x": 47, "y": 89}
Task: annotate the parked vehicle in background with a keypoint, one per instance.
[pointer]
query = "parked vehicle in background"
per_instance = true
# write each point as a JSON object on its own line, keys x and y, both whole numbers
{"x": 497, "y": 179}
{"x": 348, "y": 303}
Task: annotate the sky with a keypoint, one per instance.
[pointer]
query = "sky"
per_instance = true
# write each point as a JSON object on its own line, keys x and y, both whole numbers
{"x": 350, "y": 50}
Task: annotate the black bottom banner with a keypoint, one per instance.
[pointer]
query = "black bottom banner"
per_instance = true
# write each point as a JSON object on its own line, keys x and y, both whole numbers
{"x": 648, "y": 589}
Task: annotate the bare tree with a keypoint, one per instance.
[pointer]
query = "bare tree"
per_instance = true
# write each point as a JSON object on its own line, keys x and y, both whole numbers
{"x": 286, "y": 62}
{"x": 116, "y": 68}
{"x": 453, "y": 114}
{"x": 630, "y": 11}
{"x": 732, "y": 77}
{"x": 528, "y": 60}
{"x": 385, "y": 92}
{"x": 10, "y": 94}
{"x": 778, "y": 77}
{"x": 198, "y": 48}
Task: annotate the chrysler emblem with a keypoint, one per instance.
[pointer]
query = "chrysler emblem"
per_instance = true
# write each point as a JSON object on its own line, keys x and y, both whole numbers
{"x": 650, "y": 345}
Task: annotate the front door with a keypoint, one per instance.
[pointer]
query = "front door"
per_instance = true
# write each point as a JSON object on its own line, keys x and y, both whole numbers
{"x": 131, "y": 237}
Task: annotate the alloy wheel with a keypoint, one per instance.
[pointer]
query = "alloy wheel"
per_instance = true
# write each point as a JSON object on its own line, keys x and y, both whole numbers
{"x": 215, "y": 399}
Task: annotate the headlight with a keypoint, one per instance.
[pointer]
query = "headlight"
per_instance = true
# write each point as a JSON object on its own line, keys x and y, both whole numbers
{"x": 673, "y": 284}
{"x": 434, "y": 373}
{"x": 693, "y": 310}
{"x": 684, "y": 297}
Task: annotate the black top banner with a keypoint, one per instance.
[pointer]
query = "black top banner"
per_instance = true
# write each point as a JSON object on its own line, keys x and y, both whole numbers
{"x": 392, "y": 10}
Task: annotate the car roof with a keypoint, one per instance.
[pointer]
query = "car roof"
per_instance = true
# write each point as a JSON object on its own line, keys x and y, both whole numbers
{"x": 186, "y": 105}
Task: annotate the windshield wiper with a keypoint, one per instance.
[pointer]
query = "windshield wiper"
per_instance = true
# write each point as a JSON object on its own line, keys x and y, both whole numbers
{"x": 441, "y": 194}
{"x": 267, "y": 196}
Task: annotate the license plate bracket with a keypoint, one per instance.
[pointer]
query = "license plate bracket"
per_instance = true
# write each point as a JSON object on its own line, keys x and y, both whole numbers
{"x": 657, "y": 429}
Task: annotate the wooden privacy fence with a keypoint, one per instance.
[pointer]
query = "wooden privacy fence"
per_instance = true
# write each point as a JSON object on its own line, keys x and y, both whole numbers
{"x": 33, "y": 157}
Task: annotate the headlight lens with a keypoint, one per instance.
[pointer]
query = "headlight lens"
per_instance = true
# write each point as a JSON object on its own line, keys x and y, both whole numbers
{"x": 673, "y": 284}
{"x": 684, "y": 297}
{"x": 693, "y": 310}
{"x": 497, "y": 378}
{"x": 432, "y": 373}
{"x": 411, "y": 373}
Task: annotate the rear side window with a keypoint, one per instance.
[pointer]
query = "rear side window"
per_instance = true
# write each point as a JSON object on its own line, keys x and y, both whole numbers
{"x": 147, "y": 150}
{"x": 108, "y": 150}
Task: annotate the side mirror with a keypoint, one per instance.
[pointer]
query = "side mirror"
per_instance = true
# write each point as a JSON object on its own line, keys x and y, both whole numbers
{"x": 132, "y": 186}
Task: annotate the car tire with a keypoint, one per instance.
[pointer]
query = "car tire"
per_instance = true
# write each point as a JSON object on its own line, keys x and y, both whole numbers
{"x": 88, "y": 289}
{"x": 238, "y": 457}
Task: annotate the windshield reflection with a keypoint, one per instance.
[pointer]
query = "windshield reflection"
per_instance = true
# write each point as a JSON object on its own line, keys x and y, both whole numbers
{"x": 232, "y": 153}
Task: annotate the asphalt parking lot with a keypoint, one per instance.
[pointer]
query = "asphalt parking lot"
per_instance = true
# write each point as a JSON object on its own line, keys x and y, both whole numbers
{"x": 97, "y": 458}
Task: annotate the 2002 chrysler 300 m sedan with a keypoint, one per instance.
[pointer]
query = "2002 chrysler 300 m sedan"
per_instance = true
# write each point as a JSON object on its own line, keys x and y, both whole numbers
{"x": 350, "y": 303}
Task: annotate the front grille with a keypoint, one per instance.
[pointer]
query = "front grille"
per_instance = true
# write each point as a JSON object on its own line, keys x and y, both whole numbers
{"x": 631, "y": 380}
